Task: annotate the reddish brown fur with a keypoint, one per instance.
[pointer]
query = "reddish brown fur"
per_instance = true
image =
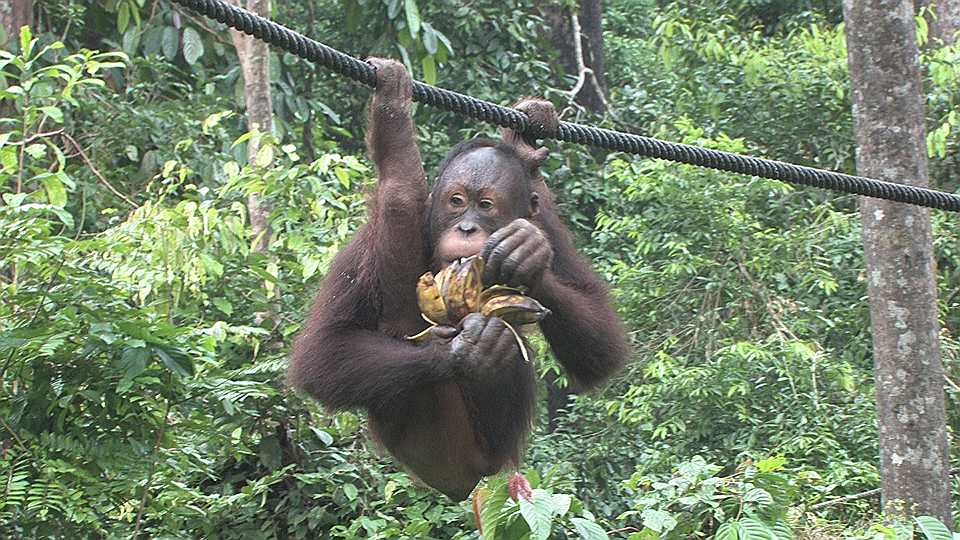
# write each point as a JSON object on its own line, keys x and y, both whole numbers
{"x": 449, "y": 427}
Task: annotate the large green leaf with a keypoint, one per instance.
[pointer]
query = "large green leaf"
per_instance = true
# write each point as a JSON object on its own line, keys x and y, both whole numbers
{"x": 176, "y": 361}
{"x": 729, "y": 530}
{"x": 56, "y": 193}
{"x": 429, "y": 70}
{"x": 754, "y": 529}
{"x": 170, "y": 42}
{"x": 413, "y": 17}
{"x": 759, "y": 496}
{"x": 589, "y": 530}
{"x": 659, "y": 520}
{"x": 192, "y": 45}
{"x": 539, "y": 512}
{"x": 932, "y": 528}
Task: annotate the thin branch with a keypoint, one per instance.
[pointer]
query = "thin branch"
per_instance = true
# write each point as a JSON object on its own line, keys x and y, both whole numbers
{"x": 36, "y": 136}
{"x": 15, "y": 436}
{"x": 153, "y": 469}
{"x": 583, "y": 72}
{"x": 96, "y": 173}
{"x": 858, "y": 496}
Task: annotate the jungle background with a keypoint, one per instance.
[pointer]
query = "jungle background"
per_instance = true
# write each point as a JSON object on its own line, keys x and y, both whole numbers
{"x": 157, "y": 258}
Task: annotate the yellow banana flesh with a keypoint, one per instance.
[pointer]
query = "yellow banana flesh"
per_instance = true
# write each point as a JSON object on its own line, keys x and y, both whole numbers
{"x": 430, "y": 300}
{"x": 462, "y": 293}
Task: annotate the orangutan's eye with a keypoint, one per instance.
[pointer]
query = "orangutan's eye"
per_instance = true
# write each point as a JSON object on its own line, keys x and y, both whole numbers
{"x": 457, "y": 200}
{"x": 486, "y": 204}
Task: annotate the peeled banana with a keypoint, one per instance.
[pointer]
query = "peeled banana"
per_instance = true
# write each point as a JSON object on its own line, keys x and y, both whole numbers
{"x": 457, "y": 291}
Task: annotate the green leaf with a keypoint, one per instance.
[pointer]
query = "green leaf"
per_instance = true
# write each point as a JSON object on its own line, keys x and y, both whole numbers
{"x": 538, "y": 514}
{"x": 429, "y": 39}
{"x": 176, "y": 362}
{"x": 754, "y": 529}
{"x": 324, "y": 437}
{"x": 65, "y": 217}
{"x": 131, "y": 41}
{"x": 8, "y": 158}
{"x": 393, "y": 8}
{"x": 134, "y": 361}
{"x": 659, "y": 520}
{"x": 540, "y": 511}
{"x": 264, "y": 155}
{"x": 932, "y": 528}
{"x": 223, "y": 305}
{"x": 123, "y": 17}
{"x": 192, "y": 45}
{"x": 494, "y": 502}
{"x": 36, "y": 150}
{"x": 388, "y": 490}
{"x": 211, "y": 265}
{"x": 55, "y": 113}
{"x": 56, "y": 193}
{"x": 429, "y": 70}
{"x": 760, "y": 496}
{"x": 782, "y": 531}
{"x": 413, "y": 17}
{"x": 588, "y": 530}
{"x": 25, "y": 38}
{"x": 350, "y": 491}
{"x": 729, "y": 530}
{"x": 771, "y": 464}
{"x": 170, "y": 42}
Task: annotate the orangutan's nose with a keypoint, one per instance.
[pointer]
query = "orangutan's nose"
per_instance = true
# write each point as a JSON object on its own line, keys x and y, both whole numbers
{"x": 467, "y": 227}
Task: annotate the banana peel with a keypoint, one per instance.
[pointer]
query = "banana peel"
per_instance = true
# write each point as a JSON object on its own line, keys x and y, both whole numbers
{"x": 457, "y": 291}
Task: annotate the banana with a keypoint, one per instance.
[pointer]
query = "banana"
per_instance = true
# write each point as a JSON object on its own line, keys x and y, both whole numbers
{"x": 457, "y": 291}
{"x": 443, "y": 277}
{"x": 497, "y": 290}
{"x": 430, "y": 300}
{"x": 515, "y": 309}
{"x": 463, "y": 289}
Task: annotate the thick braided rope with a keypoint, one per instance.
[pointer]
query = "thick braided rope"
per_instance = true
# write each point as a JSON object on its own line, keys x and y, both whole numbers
{"x": 304, "y": 47}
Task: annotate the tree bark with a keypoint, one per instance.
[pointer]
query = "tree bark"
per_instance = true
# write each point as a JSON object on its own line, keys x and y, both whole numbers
{"x": 888, "y": 110}
{"x": 594, "y": 56}
{"x": 944, "y": 23}
{"x": 254, "y": 57}
{"x": 13, "y": 15}
{"x": 590, "y": 50}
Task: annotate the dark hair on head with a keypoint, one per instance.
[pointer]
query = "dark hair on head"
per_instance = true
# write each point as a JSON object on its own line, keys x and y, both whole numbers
{"x": 469, "y": 145}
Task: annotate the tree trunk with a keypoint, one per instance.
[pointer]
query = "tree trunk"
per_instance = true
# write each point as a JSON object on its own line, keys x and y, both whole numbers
{"x": 254, "y": 57}
{"x": 888, "y": 110}
{"x": 591, "y": 28}
{"x": 13, "y": 15}
{"x": 588, "y": 52}
{"x": 943, "y": 23}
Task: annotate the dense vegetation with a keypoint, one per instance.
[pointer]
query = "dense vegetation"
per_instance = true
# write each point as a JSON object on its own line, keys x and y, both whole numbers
{"x": 143, "y": 341}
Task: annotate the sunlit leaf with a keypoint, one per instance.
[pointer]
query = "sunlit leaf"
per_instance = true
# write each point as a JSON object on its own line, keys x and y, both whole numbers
{"x": 192, "y": 45}
{"x": 413, "y": 17}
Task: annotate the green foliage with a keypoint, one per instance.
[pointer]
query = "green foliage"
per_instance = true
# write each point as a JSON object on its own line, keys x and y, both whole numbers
{"x": 143, "y": 341}
{"x": 544, "y": 514}
{"x": 694, "y": 502}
